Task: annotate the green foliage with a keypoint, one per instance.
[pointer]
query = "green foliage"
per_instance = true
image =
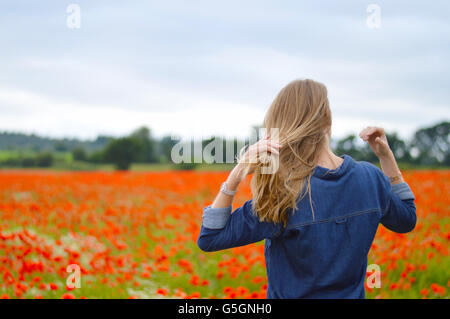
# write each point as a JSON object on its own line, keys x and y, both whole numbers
{"x": 60, "y": 147}
{"x": 96, "y": 157}
{"x": 19, "y": 141}
{"x": 123, "y": 151}
{"x": 44, "y": 159}
{"x": 429, "y": 147}
{"x": 432, "y": 144}
{"x": 25, "y": 162}
{"x": 147, "y": 145}
{"x": 79, "y": 154}
{"x": 139, "y": 147}
{"x": 165, "y": 146}
{"x": 348, "y": 146}
{"x": 185, "y": 166}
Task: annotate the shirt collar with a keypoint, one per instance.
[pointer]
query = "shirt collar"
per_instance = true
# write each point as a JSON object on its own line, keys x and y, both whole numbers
{"x": 326, "y": 173}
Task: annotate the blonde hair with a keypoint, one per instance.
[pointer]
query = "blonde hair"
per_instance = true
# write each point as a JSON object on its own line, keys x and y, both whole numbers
{"x": 302, "y": 115}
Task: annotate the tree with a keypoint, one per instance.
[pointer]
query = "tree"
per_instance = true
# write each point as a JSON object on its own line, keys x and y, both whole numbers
{"x": 60, "y": 147}
{"x": 123, "y": 151}
{"x": 347, "y": 145}
{"x": 79, "y": 154}
{"x": 165, "y": 148}
{"x": 147, "y": 145}
{"x": 96, "y": 157}
{"x": 399, "y": 147}
{"x": 28, "y": 162}
{"x": 431, "y": 144}
{"x": 44, "y": 159}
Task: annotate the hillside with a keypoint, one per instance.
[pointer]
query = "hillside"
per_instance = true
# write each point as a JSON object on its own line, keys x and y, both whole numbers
{"x": 20, "y": 141}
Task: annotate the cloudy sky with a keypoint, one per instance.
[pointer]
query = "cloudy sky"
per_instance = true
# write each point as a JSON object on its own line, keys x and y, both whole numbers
{"x": 196, "y": 68}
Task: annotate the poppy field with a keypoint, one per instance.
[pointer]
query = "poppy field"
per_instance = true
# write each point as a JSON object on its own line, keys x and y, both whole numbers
{"x": 133, "y": 235}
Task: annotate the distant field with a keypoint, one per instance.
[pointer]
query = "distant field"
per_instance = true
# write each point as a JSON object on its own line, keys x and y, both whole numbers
{"x": 133, "y": 234}
{"x": 64, "y": 161}
{"x": 66, "y": 156}
{"x": 84, "y": 166}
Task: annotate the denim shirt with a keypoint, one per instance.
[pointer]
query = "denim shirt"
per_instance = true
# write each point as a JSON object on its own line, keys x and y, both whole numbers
{"x": 325, "y": 255}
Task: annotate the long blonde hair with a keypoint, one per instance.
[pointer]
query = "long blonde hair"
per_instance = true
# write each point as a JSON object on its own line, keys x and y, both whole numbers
{"x": 302, "y": 115}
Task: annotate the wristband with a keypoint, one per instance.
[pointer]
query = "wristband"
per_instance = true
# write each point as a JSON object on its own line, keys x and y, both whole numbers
{"x": 224, "y": 189}
{"x": 395, "y": 178}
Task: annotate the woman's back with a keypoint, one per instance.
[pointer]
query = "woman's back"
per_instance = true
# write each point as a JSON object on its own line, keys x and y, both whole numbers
{"x": 321, "y": 254}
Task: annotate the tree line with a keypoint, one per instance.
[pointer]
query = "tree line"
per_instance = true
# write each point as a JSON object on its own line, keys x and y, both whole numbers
{"x": 428, "y": 146}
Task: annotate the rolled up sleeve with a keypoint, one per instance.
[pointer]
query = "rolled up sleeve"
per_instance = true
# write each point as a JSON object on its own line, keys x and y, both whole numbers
{"x": 403, "y": 191}
{"x": 216, "y": 218}
{"x": 400, "y": 213}
{"x": 222, "y": 229}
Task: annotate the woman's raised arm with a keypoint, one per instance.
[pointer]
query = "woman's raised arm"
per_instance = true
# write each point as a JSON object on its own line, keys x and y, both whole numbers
{"x": 239, "y": 171}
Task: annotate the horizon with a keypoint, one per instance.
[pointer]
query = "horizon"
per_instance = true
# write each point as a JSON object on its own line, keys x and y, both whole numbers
{"x": 90, "y": 139}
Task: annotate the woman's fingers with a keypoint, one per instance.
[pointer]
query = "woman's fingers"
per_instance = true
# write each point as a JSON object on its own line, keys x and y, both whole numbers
{"x": 381, "y": 141}
{"x": 264, "y": 145}
{"x": 268, "y": 146}
{"x": 274, "y": 151}
{"x": 270, "y": 143}
{"x": 274, "y": 146}
{"x": 369, "y": 131}
{"x": 363, "y": 133}
{"x": 376, "y": 137}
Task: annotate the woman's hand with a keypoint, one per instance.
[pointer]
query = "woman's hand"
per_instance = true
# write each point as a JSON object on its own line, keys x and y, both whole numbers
{"x": 251, "y": 155}
{"x": 377, "y": 140}
{"x": 254, "y": 151}
{"x": 376, "y": 137}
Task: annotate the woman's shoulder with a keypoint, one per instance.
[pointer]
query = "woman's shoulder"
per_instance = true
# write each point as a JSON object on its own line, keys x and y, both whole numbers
{"x": 373, "y": 171}
{"x": 367, "y": 165}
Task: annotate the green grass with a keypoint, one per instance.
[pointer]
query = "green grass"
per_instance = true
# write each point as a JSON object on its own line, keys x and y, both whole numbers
{"x": 63, "y": 161}
{"x": 4, "y": 155}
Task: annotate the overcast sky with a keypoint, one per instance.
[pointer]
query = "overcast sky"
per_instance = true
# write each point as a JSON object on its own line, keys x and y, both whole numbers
{"x": 197, "y": 68}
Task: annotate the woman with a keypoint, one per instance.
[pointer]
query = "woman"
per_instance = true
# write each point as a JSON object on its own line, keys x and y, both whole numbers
{"x": 318, "y": 212}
